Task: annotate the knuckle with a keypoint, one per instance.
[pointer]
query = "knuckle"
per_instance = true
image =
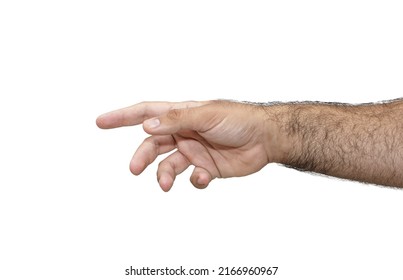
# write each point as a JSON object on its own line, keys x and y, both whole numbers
{"x": 162, "y": 165}
{"x": 166, "y": 165}
{"x": 150, "y": 141}
{"x": 191, "y": 104}
{"x": 175, "y": 114}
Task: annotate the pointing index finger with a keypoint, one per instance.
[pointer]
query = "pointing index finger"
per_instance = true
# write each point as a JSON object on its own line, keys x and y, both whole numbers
{"x": 136, "y": 114}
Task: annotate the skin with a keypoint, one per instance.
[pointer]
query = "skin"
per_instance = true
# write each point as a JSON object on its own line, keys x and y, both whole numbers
{"x": 229, "y": 139}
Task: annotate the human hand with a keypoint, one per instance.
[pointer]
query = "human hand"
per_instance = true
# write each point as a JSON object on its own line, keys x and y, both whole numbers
{"x": 220, "y": 138}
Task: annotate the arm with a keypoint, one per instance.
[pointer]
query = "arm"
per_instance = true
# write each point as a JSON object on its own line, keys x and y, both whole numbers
{"x": 363, "y": 143}
{"x": 225, "y": 139}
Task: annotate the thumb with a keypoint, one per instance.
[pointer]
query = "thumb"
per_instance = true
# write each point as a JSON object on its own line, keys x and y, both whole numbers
{"x": 196, "y": 118}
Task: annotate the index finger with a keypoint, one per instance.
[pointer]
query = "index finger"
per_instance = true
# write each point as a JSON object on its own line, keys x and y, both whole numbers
{"x": 136, "y": 114}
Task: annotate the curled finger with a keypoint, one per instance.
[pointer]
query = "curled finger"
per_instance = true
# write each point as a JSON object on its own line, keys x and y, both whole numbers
{"x": 169, "y": 168}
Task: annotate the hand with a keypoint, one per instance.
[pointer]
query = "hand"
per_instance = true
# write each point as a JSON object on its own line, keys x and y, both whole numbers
{"x": 220, "y": 138}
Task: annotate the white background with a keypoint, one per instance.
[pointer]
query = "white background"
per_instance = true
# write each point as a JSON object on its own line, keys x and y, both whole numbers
{"x": 70, "y": 208}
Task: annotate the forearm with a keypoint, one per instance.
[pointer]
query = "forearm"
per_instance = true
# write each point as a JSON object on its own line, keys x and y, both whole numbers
{"x": 363, "y": 143}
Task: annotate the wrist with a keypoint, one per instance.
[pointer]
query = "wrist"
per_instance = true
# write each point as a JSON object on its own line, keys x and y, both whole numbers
{"x": 278, "y": 141}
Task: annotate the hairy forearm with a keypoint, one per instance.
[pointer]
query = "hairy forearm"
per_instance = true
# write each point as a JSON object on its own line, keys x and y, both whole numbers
{"x": 360, "y": 142}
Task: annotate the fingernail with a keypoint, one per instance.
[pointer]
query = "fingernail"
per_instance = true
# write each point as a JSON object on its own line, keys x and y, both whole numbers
{"x": 152, "y": 123}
